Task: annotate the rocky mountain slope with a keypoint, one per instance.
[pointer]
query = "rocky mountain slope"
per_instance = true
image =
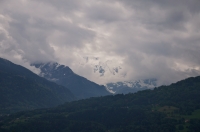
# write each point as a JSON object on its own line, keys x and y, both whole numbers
{"x": 131, "y": 86}
{"x": 111, "y": 69}
{"x": 63, "y": 75}
{"x": 101, "y": 67}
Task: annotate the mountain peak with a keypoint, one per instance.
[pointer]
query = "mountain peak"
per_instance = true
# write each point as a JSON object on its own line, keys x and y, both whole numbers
{"x": 24, "y": 90}
{"x": 103, "y": 67}
{"x": 50, "y": 69}
{"x": 131, "y": 86}
{"x": 63, "y": 75}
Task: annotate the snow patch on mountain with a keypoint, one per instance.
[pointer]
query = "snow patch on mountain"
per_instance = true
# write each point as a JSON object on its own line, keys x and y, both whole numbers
{"x": 47, "y": 69}
{"x": 53, "y": 71}
{"x": 104, "y": 69}
{"x": 78, "y": 85}
{"x": 131, "y": 86}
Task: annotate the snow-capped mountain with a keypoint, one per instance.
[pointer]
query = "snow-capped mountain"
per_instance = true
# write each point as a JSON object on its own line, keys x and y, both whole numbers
{"x": 63, "y": 75}
{"x": 112, "y": 70}
{"x": 50, "y": 71}
{"x": 131, "y": 86}
{"x": 103, "y": 67}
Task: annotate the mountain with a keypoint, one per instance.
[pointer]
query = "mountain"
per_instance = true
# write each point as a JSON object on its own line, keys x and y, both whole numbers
{"x": 109, "y": 70}
{"x": 20, "y": 89}
{"x": 173, "y": 108}
{"x": 63, "y": 75}
{"x": 103, "y": 68}
{"x": 131, "y": 86}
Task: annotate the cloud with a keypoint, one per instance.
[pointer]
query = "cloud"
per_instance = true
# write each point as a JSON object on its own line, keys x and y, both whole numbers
{"x": 149, "y": 39}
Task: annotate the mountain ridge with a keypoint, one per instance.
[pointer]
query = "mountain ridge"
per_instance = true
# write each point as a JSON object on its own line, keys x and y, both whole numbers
{"x": 21, "y": 89}
{"x": 113, "y": 75}
{"x": 172, "y": 108}
{"x": 103, "y": 68}
{"x": 126, "y": 87}
{"x": 63, "y": 75}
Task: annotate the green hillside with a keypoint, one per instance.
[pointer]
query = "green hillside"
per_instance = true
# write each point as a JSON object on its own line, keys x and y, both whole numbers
{"x": 20, "y": 89}
{"x": 173, "y": 108}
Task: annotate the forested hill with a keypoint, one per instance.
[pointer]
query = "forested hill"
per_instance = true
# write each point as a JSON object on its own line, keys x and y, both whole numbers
{"x": 20, "y": 89}
{"x": 173, "y": 108}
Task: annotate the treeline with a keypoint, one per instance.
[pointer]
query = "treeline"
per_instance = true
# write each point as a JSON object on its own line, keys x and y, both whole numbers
{"x": 165, "y": 109}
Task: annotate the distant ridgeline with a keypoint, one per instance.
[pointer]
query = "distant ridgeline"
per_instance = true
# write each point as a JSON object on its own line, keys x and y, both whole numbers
{"x": 63, "y": 75}
{"x": 126, "y": 87}
{"x": 173, "y": 108}
{"x": 20, "y": 89}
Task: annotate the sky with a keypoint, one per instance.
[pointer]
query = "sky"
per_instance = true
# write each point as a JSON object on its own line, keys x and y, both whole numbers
{"x": 147, "y": 38}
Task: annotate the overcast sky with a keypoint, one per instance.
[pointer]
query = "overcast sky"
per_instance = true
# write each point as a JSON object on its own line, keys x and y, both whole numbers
{"x": 148, "y": 38}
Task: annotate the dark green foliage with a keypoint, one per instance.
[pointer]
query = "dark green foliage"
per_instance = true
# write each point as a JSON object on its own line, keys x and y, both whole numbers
{"x": 20, "y": 89}
{"x": 194, "y": 125}
{"x": 164, "y": 109}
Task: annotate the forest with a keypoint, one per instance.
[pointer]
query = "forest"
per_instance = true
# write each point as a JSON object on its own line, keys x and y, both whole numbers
{"x": 173, "y": 108}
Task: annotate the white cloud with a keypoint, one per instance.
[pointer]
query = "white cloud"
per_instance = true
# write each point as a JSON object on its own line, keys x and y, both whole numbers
{"x": 149, "y": 39}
